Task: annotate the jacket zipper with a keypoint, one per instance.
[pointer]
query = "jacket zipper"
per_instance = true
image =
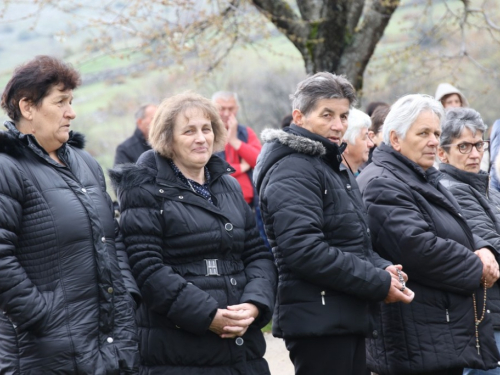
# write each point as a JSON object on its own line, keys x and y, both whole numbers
{"x": 447, "y": 316}
{"x": 322, "y": 297}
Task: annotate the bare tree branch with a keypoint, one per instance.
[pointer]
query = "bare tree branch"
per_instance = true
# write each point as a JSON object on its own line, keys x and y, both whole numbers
{"x": 358, "y": 53}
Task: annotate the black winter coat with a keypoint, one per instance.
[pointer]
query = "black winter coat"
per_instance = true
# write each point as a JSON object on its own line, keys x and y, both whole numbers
{"x": 129, "y": 150}
{"x": 481, "y": 208}
{"x": 416, "y": 222}
{"x": 66, "y": 309}
{"x": 169, "y": 232}
{"x": 316, "y": 223}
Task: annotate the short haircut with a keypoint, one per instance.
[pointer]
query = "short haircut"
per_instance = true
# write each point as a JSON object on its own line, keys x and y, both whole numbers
{"x": 140, "y": 113}
{"x": 456, "y": 120}
{"x": 225, "y": 95}
{"x": 378, "y": 117}
{"x": 356, "y": 122}
{"x": 161, "y": 132}
{"x": 372, "y": 106}
{"x": 405, "y": 111}
{"x": 34, "y": 80}
{"x": 321, "y": 86}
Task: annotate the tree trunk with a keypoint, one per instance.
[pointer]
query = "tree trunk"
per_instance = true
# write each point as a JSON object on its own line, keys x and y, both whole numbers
{"x": 332, "y": 35}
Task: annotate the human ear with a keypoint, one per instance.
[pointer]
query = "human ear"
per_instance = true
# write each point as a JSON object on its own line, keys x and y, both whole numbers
{"x": 442, "y": 155}
{"x": 26, "y": 108}
{"x": 298, "y": 117}
{"x": 395, "y": 143}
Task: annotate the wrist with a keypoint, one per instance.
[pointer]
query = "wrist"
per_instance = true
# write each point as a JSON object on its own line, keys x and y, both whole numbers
{"x": 235, "y": 143}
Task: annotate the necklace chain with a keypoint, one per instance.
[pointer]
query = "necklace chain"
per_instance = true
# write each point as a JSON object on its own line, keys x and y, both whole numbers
{"x": 478, "y": 320}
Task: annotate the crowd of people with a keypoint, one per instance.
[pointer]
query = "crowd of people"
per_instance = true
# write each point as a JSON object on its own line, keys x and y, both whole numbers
{"x": 371, "y": 239}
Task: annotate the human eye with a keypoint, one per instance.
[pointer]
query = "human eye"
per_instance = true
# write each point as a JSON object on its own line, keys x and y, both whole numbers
{"x": 188, "y": 131}
{"x": 207, "y": 129}
{"x": 464, "y": 146}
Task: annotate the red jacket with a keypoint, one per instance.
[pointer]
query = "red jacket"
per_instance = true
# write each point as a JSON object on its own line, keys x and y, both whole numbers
{"x": 249, "y": 152}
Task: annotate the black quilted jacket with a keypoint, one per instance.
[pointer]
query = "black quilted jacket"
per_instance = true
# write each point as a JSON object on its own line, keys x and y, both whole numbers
{"x": 481, "y": 207}
{"x": 170, "y": 232}
{"x": 316, "y": 223}
{"x": 416, "y": 222}
{"x": 66, "y": 308}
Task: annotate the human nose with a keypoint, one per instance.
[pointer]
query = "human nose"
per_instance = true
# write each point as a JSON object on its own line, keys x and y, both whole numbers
{"x": 474, "y": 153}
{"x": 70, "y": 113}
{"x": 369, "y": 142}
{"x": 337, "y": 124}
{"x": 200, "y": 137}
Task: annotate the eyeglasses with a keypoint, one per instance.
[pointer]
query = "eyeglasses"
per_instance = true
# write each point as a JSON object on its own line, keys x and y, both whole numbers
{"x": 466, "y": 147}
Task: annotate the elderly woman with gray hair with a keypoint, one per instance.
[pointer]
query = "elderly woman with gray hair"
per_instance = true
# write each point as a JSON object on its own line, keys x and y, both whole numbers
{"x": 206, "y": 278}
{"x": 358, "y": 142}
{"x": 461, "y": 150}
{"x": 415, "y": 221}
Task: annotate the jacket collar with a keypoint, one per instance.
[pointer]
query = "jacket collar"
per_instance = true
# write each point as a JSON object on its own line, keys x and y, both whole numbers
{"x": 166, "y": 175}
{"x": 479, "y": 181}
{"x": 426, "y": 183}
{"x": 13, "y": 142}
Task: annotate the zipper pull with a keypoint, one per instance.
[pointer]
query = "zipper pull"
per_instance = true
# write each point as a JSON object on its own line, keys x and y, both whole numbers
{"x": 323, "y": 297}
{"x": 447, "y": 316}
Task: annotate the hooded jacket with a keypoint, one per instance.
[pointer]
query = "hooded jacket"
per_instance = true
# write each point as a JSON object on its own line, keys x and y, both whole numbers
{"x": 66, "y": 308}
{"x": 481, "y": 208}
{"x": 444, "y": 89}
{"x": 191, "y": 257}
{"x": 416, "y": 222}
{"x": 129, "y": 150}
{"x": 316, "y": 223}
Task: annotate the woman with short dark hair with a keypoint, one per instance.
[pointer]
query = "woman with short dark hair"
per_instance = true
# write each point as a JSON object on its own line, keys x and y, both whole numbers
{"x": 207, "y": 280}
{"x": 65, "y": 290}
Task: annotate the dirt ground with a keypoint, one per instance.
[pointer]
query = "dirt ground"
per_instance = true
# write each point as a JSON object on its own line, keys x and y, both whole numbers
{"x": 277, "y": 356}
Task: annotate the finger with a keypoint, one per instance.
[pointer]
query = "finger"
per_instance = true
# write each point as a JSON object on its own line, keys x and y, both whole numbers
{"x": 236, "y": 315}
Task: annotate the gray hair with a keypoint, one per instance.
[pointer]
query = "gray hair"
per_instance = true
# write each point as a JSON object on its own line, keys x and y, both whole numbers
{"x": 139, "y": 114}
{"x": 225, "y": 95}
{"x": 323, "y": 85}
{"x": 457, "y": 119}
{"x": 357, "y": 120}
{"x": 405, "y": 111}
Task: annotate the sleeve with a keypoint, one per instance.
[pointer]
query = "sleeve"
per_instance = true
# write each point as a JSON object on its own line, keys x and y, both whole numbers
{"x": 294, "y": 204}
{"x": 121, "y": 156}
{"x": 402, "y": 231}
{"x": 494, "y": 147}
{"x": 20, "y": 299}
{"x": 124, "y": 264}
{"x": 479, "y": 221}
{"x": 250, "y": 150}
{"x": 163, "y": 291}
{"x": 260, "y": 271}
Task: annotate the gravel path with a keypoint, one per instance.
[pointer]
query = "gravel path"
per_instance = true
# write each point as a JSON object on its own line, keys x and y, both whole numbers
{"x": 277, "y": 356}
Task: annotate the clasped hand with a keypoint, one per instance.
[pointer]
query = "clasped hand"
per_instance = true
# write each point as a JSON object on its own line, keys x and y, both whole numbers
{"x": 234, "y": 321}
{"x": 398, "y": 293}
{"x": 491, "y": 272}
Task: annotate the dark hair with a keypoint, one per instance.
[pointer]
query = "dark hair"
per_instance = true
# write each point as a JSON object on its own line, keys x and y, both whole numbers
{"x": 323, "y": 85}
{"x": 33, "y": 81}
{"x": 372, "y": 106}
{"x": 378, "y": 117}
{"x": 456, "y": 120}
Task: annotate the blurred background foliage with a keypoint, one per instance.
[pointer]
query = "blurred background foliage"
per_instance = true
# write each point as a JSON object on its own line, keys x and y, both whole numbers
{"x": 425, "y": 43}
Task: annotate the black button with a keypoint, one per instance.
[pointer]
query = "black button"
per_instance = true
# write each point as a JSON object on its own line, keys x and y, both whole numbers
{"x": 239, "y": 341}
{"x": 228, "y": 227}
{"x": 348, "y": 187}
{"x": 375, "y": 334}
{"x": 233, "y": 281}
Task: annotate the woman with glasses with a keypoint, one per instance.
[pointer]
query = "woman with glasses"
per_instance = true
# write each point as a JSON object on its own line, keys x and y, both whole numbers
{"x": 461, "y": 150}
{"x": 416, "y": 222}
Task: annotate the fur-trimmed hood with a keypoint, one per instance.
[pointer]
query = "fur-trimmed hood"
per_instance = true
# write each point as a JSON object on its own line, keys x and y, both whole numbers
{"x": 13, "y": 142}
{"x": 296, "y": 142}
{"x": 293, "y": 139}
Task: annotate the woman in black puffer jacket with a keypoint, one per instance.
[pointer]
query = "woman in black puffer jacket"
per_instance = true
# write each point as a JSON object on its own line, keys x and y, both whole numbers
{"x": 65, "y": 290}
{"x": 461, "y": 150}
{"x": 207, "y": 280}
{"x": 415, "y": 221}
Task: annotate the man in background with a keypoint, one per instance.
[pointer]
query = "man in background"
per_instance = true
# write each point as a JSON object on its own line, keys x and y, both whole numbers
{"x": 241, "y": 151}
{"x": 130, "y": 150}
